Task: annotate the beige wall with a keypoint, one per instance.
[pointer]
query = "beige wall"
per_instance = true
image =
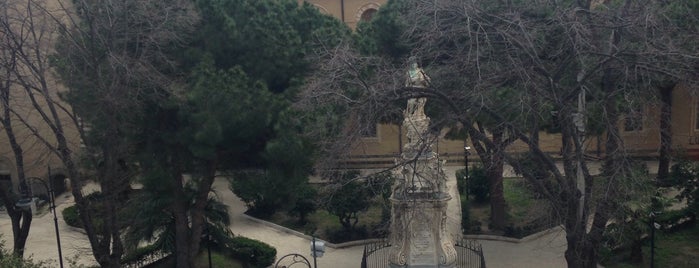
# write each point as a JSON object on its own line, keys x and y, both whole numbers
{"x": 349, "y": 11}
{"x": 35, "y": 133}
{"x": 382, "y": 150}
{"x": 685, "y": 135}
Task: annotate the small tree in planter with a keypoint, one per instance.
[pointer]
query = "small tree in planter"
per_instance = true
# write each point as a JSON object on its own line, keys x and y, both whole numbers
{"x": 305, "y": 204}
{"x": 347, "y": 202}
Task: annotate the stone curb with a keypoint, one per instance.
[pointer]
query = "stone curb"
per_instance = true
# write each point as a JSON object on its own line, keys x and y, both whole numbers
{"x": 75, "y": 229}
{"x": 367, "y": 241}
{"x": 305, "y": 236}
{"x": 515, "y": 240}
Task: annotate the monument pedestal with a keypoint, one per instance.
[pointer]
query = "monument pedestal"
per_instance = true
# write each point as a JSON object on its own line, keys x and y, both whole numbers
{"x": 424, "y": 243}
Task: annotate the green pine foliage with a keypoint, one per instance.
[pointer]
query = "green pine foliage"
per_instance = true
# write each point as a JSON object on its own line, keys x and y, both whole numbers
{"x": 269, "y": 40}
{"x": 383, "y": 35}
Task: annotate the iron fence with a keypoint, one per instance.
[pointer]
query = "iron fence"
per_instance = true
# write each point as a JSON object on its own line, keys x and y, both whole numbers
{"x": 376, "y": 254}
{"x": 469, "y": 254}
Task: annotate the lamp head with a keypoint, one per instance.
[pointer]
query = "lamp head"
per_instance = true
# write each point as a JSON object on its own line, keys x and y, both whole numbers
{"x": 24, "y": 204}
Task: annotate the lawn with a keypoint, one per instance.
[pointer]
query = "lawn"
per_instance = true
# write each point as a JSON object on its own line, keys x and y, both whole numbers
{"x": 522, "y": 208}
{"x": 322, "y": 224}
{"x": 679, "y": 250}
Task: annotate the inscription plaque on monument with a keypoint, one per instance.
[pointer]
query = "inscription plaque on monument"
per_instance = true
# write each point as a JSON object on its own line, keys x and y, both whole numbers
{"x": 422, "y": 246}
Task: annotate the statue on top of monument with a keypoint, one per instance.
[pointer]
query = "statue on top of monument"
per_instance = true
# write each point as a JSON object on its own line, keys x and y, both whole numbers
{"x": 417, "y": 78}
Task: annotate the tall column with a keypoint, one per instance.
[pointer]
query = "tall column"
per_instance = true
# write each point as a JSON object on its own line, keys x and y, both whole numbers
{"x": 418, "y": 233}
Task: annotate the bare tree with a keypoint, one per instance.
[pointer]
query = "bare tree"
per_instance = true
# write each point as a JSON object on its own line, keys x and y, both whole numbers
{"x": 583, "y": 62}
{"x": 21, "y": 219}
{"x": 108, "y": 54}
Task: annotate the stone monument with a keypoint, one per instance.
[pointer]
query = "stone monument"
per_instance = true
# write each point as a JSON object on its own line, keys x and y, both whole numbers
{"x": 418, "y": 234}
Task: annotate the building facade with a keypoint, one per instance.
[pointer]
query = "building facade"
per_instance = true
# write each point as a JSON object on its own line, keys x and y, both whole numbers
{"x": 350, "y": 12}
{"x": 640, "y": 130}
{"x": 30, "y": 117}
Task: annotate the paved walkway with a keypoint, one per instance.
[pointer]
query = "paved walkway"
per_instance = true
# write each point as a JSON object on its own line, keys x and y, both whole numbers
{"x": 544, "y": 251}
{"x": 41, "y": 244}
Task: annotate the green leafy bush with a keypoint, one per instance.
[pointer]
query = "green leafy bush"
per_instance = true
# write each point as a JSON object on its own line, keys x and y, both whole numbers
{"x": 478, "y": 184}
{"x": 347, "y": 201}
{"x": 251, "y": 251}
{"x": 305, "y": 203}
{"x": 465, "y": 215}
{"x": 685, "y": 176}
{"x": 72, "y": 217}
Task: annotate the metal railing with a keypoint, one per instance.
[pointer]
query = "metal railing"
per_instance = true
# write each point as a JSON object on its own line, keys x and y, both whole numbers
{"x": 468, "y": 254}
{"x": 376, "y": 254}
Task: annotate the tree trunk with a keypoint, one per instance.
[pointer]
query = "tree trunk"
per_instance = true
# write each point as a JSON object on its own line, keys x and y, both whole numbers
{"x": 494, "y": 171}
{"x": 182, "y": 246}
{"x": 101, "y": 251}
{"x": 581, "y": 256}
{"x": 636, "y": 255}
{"x": 665, "y": 133}
{"x": 182, "y": 220}
{"x": 21, "y": 220}
{"x": 582, "y": 247}
{"x": 198, "y": 209}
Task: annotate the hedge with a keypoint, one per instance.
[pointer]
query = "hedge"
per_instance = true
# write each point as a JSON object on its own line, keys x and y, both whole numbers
{"x": 253, "y": 252}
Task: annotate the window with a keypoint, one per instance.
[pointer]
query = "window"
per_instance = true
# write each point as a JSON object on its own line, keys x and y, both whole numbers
{"x": 5, "y": 177}
{"x": 367, "y": 15}
{"x": 366, "y": 12}
{"x": 633, "y": 121}
{"x": 5, "y": 181}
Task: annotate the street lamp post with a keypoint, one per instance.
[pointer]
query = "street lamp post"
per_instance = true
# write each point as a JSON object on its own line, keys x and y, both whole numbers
{"x": 52, "y": 200}
{"x": 467, "y": 152}
{"x": 317, "y": 250}
{"x": 653, "y": 226}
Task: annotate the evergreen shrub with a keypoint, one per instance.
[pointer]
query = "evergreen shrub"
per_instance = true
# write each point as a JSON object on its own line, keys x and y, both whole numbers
{"x": 465, "y": 215}
{"x": 71, "y": 217}
{"x": 478, "y": 184}
{"x": 256, "y": 253}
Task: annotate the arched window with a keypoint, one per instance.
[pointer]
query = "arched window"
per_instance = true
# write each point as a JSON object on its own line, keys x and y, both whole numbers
{"x": 366, "y": 12}
{"x": 367, "y": 15}
{"x": 5, "y": 174}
